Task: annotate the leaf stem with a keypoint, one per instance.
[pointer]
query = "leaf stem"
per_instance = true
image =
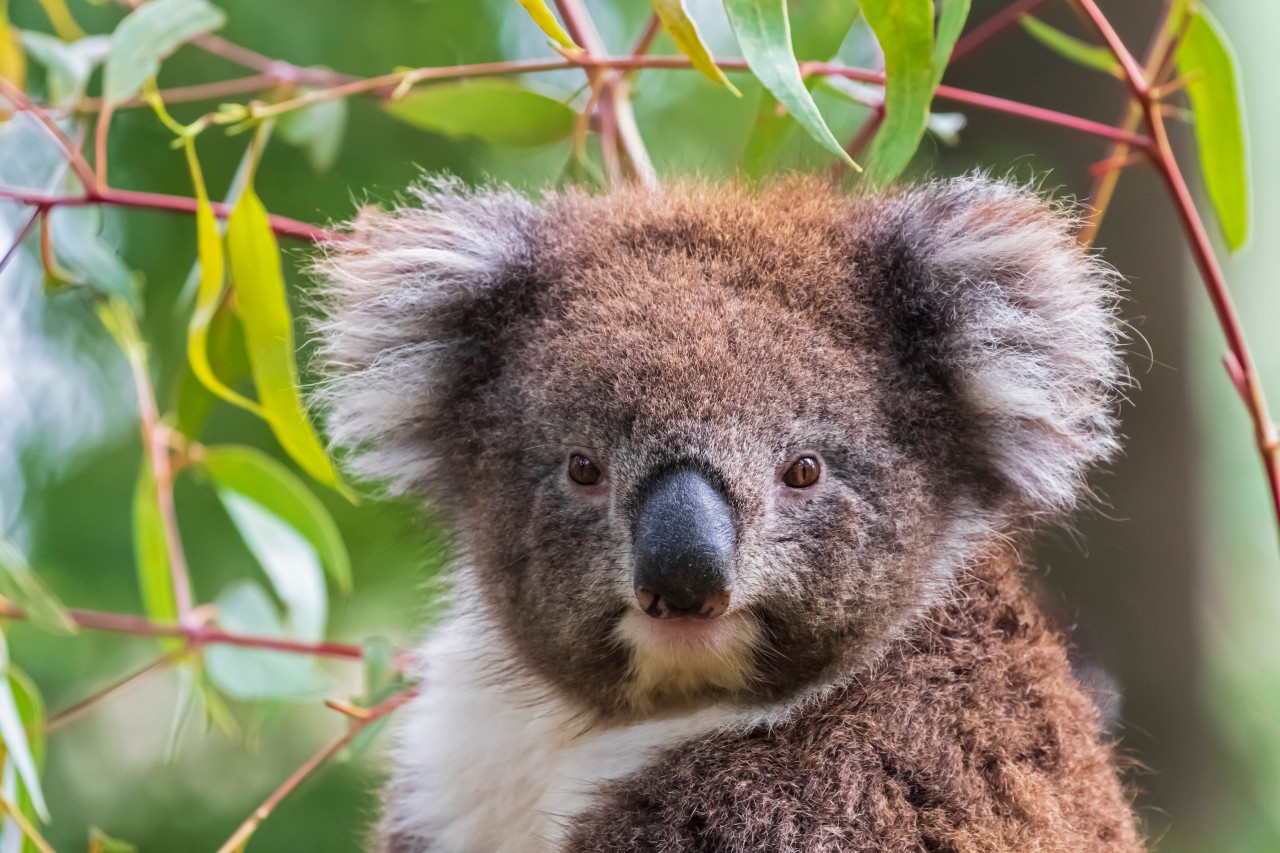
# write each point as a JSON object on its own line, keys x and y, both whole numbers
{"x": 76, "y": 710}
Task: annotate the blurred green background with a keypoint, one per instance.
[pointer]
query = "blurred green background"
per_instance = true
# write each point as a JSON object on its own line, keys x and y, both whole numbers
{"x": 1174, "y": 586}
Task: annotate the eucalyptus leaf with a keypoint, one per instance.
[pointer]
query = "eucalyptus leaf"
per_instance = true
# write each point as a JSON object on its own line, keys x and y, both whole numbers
{"x": 764, "y": 34}
{"x": 31, "y": 711}
{"x": 1080, "y": 52}
{"x": 18, "y": 749}
{"x": 263, "y": 308}
{"x": 255, "y": 674}
{"x": 68, "y": 67}
{"x": 684, "y": 32}
{"x": 904, "y": 29}
{"x": 317, "y": 130}
{"x": 151, "y": 555}
{"x": 500, "y": 112}
{"x": 547, "y": 22}
{"x": 81, "y": 246}
{"x": 1207, "y": 59}
{"x": 148, "y": 35}
{"x": 255, "y": 476}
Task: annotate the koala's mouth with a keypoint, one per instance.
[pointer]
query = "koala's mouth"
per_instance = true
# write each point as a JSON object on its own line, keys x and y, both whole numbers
{"x": 674, "y": 661}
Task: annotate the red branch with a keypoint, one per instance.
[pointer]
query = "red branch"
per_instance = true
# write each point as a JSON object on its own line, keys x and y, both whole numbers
{"x": 992, "y": 27}
{"x": 1244, "y": 373}
{"x": 283, "y": 226}
{"x": 197, "y": 635}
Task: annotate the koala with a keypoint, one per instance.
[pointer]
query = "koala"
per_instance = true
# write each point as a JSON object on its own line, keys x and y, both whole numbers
{"x": 738, "y": 477}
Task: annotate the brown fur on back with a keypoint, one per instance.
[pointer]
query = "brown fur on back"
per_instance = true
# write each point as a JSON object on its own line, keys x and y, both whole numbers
{"x": 970, "y": 735}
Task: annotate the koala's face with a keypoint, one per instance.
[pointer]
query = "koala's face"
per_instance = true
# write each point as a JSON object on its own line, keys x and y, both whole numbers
{"x": 705, "y": 444}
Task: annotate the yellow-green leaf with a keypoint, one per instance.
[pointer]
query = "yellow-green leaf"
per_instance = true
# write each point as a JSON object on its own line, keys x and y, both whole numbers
{"x": 20, "y": 584}
{"x": 263, "y": 307}
{"x": 209, "y": 291}
{"x": 1080, "y": 52}
{"x": 1206, "y": 58}
{"x": 547, "y": 22}
{"x": 500, "y": 112}
{"x": 764, "y": 34}
{"x": 684, "y": 32}
{"x": 149, "y": 34}
{"x": 13, "y": 62}
{"x": 63, "y": 23}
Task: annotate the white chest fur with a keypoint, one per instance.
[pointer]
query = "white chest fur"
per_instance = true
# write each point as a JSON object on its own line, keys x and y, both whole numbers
{"x": 485, "y": 765}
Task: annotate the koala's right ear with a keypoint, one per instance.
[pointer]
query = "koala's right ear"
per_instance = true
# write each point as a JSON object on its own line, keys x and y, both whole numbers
{"x": 414, "y": 305}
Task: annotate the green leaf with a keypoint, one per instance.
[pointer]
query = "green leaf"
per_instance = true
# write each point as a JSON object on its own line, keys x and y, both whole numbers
{"x": 227, "y": 359}
{"x": 904, "y": 29}
{"x": 500, "y": 112}
{"x": 547, "y": 22}
{"x": 951, "y": 20}
{"x": 684, "y": 32}
{"x": 317, "y": 130}
{"x": 268, "y": 330}
{"x": 31, "y": 712}
{"x": 254, "y": 475}
{"x": 80, "y": 246}
{"x": 148, "y": 35}
{"x": 19, "y": 750}
{"x": 152, "y": 556}
{"x": 68, "y": 67}
{"x": 254, "y": 674}
{"x": 289, "y": 561}
{"x": 20, "y": 584}
{"x": 1208, "y": 60}
{"x": 1080, "y": 52}
{"x": 764, "y": 34}
{"x": 818, "y": 28}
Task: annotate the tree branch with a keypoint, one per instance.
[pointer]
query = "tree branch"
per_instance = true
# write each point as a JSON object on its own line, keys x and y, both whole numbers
{"x": 196, "y": 635}
{"x": 355, "y": 725}
{"x": 1244, "y": 373}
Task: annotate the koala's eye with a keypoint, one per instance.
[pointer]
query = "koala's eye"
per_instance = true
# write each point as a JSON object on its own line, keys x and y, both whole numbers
{"x": 803, "y": 473}
{"x": 583, "y": 471}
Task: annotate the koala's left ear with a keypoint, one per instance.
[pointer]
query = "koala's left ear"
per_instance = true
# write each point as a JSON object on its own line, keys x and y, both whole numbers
{"x": 1006, "y": 331}
{"x": 415, "y": 308}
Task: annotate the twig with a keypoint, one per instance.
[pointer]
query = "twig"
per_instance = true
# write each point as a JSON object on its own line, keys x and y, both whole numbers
{"x": 74, "y": 711}
{"x": 75, "y": 159}
{"x": 21, "y": 235}
{"x": 617, "y": 117}
{"x": 992, "y": 27}
{"x": 311, "y": 765}
{"x": 1244, "y": 373}
{"x": 198, "y": 92}
{"x": 156, "y": 201}
{"x": 196, "y": 635}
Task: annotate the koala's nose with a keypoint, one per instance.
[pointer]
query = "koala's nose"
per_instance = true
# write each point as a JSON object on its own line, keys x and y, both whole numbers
{"x": 684, "y": 548}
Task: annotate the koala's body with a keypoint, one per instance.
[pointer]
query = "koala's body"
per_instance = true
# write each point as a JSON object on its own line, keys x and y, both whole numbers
{"x": 737, "y": 478}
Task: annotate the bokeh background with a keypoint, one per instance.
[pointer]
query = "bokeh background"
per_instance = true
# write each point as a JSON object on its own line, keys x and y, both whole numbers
{"x": 1173, "y": 586}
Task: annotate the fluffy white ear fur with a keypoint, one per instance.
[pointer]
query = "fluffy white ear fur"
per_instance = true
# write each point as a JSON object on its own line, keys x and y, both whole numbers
{"x": 1031, "y": 334}
{"x": 393, "y": 290}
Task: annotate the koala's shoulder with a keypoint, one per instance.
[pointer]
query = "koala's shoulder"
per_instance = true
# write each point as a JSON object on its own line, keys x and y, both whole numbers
{"x": 970, "y": 735}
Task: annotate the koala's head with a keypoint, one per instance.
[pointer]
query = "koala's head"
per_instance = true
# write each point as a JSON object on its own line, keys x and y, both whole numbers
{"x": 715, "y": 442}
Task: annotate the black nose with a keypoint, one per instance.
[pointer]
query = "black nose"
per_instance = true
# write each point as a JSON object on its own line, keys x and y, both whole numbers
{"x": 684, "y": 544}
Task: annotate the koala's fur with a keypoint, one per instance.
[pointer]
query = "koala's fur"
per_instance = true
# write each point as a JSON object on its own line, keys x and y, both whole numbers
{"x": 882, "y": 680}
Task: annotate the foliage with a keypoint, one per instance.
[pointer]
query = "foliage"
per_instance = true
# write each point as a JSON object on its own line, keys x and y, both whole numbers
{"x": 259, "y": 643}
